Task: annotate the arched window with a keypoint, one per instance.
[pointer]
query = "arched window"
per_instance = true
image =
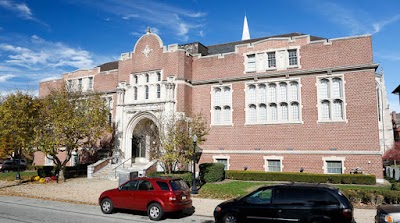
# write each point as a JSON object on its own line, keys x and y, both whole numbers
{"x": 325, "y": 109}
{"x": 284, "y": 111}
{"x": 274, "y": 112}
{"x": 227, "y": 114}
{"x": 217, "y": 115}
{"x": 338, "y": 109}
{"x": 337, "y": 88}
{"x": 147, "y": 92}
{"x": 324, "y": 88}
{"x": 295, "y": 111}
{"x": 147, "y": 78}
{"x": 262, "y": 93}
{"x": 136, "y": 79}
{"x": 217, "y": 96}
{"x": 262, "y": 113}
{"x": 158, "y": 91}
{"x": 282, "y": 91}
{"x": 227, "y": 95}
{"x": 158, "y": 76}
{"x": 294, "y": 90}
{"x": 252, "y": 93}
{"x": 135, "y": 93}
{"x": 252, "y": 113}
{"x": 272, "y": 92}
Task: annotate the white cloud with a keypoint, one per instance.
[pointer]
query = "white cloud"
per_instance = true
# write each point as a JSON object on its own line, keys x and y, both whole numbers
{"x": 22, "y": 9}
{"x": 355, "y": 19}
{"x": 173, "y": 19}
{"x": 4, "y": 78}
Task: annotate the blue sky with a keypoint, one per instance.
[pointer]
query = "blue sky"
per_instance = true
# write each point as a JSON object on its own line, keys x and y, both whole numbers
{"x": 41, "y": 40}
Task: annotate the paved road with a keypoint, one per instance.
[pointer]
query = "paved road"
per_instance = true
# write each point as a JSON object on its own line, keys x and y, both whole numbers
{"x": 27, "y": 210}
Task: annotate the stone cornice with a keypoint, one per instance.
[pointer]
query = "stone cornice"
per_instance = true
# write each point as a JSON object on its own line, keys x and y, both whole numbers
{"x": 288, "y": 73}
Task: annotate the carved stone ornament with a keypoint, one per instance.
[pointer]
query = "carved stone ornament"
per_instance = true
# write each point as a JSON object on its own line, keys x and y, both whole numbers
{"x": 147, "y": 51}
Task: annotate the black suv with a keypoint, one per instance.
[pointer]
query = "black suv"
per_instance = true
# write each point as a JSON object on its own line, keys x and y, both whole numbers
{"x": 305, "y": 203}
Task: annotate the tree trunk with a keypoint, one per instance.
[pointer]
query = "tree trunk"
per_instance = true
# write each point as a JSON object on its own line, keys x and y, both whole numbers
{"x": 61, "y": 177}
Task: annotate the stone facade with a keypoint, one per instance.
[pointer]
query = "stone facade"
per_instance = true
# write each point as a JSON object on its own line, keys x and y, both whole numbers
{"x": 278, "y": 103}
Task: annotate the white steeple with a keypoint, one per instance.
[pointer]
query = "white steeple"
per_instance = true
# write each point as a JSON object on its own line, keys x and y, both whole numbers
{"x": 246, "y": 32}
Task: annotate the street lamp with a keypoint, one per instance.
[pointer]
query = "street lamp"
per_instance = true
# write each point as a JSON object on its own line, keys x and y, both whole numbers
{"x": 17, "y": 157}
{"x": 194, "y": 188}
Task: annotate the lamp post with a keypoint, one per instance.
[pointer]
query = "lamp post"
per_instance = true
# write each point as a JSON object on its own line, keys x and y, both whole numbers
{"x": 194, "y": 188}
{"x": 18, "y": 159}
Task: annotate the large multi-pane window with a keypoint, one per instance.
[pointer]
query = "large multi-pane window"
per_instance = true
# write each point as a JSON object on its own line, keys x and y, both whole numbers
{"x": 331, "y": 99}
{"x": 135, "y": 92}
{"x": 273, "y": 102}
{"x": 146, "y": 85}
{"x": 222, "y": 105}
{"x": 90, "y": 83}
{"x": 80, "y": 84}
{"x": 146, "y": 91}
{"x": 158, "y": 91}
{"x": 223, "y": 161}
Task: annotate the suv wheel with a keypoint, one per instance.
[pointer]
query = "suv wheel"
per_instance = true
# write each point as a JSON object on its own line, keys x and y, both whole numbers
{"x": 155, "y": 212}
{"x": 230, "y": 218}
{"x": 107, "y": 206}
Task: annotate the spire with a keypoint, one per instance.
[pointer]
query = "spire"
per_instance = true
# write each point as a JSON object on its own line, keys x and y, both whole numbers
{"x": 246, "y": 32}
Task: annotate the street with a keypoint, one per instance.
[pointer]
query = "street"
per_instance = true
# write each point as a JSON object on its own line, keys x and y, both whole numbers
{"x": 19, "y": 209}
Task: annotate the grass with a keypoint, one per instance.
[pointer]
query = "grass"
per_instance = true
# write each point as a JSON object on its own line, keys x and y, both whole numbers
{"x": 10, "y": 176}
{"x": 231, "y": 189}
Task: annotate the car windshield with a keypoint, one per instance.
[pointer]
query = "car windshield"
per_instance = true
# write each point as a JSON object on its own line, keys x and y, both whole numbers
{"x": 178, "y": 185}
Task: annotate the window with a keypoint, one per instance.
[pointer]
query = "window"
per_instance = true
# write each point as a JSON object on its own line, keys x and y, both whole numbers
{"x": 334, "y": 167}
{"x": 48, "y": 160}
{"x": 69, "y": 85}
{"x": 147, "y": 92}
{"x": 135, "y": 92}
{"x": 80, "y": 84}
{"x": 147, "y": 78}
{"x": 130, "y": 185}
{"x": 158, "y": 76}
{"x": 331, "y": 99}
{"x": 292, "y": 57}
{"x": 136, "y": 79}
{"x": 145, "y": 185}
{"x": 222, "y": 105}
{"x": 163, "y": 185}
{"x": 271, "y": 60}
{"x": 274, "y": 165}
{"x": 90, "y": 84}
{"x": 260, "y": 197}
{"x": 273, "y": 102}
{"x": 158, "y": 91}
{"x": 223, "y": 161}
{"x": 251, "y": 62}
{"x": 109, "y": 118}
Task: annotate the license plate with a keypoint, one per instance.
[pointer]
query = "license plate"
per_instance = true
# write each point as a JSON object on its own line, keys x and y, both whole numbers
{"x": 183, "y": 197}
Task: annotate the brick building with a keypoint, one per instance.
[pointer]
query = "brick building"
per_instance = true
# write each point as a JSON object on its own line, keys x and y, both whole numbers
{"x": 278, "y": 103}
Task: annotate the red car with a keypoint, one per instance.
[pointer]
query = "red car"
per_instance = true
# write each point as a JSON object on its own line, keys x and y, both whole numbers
{"x": 154, "y": 195}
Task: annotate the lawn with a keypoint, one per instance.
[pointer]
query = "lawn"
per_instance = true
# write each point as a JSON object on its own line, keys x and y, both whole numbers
{"x": 10, "y": 176}
{"x": 230, "y": 189}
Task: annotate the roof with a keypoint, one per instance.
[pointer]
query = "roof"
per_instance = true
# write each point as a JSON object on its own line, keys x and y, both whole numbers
{"x": 397, "y": 90}
{"x": 230, "y": 47}
{"x": 109, "y": 66}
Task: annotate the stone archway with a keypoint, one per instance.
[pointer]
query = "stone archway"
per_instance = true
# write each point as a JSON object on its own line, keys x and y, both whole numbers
{"x": 145, "y": 140}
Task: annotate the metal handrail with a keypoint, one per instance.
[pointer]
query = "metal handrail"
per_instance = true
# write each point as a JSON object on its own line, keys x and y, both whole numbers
{"x": 123, "y": 165}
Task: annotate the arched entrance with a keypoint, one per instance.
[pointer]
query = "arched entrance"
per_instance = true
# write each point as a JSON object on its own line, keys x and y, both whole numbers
{"x": 145, "y": 141}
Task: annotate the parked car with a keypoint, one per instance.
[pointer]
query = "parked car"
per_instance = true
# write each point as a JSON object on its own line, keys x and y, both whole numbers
{"x": 387, "y": 213}
{"x": 305, "y": 203}
{"x": 12, "y": 165}
{"x": 154, "y": 195}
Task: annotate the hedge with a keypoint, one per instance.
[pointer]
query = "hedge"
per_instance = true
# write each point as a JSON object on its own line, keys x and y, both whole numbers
{"x": 300, "y": 177}
{"x": 211, "y": 172}
{"x": 70, "y": 171}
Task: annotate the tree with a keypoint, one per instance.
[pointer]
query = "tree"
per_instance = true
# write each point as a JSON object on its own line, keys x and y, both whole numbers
{"x": 18, "y": 117}
{"x": 393, "y": 154}
{"x": 70, "y": 120}
{"x": 176, "y": 143}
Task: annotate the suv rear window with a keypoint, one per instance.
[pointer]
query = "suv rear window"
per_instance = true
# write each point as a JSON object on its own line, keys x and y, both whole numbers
{"x": 178, "y": 185}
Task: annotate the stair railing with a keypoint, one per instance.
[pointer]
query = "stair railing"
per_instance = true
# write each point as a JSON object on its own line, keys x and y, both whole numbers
{"x": 123, "y": 166}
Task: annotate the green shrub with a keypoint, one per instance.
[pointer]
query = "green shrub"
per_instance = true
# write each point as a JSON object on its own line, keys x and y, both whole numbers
{"x": 211, "y": 172}
{"x": 301, "y": 177}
